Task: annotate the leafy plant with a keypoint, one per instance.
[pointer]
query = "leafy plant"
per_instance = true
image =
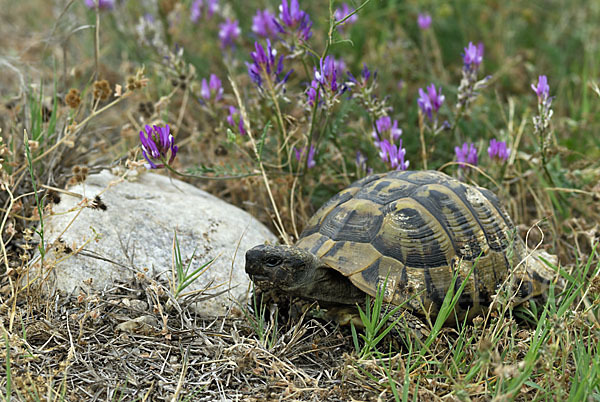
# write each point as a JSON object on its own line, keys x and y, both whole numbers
{"x": 375, "y": 319}
{"x": 182, "y": 277}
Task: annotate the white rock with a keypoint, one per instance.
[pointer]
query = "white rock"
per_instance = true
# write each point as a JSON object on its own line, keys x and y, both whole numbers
{"x": 135, "y": 235}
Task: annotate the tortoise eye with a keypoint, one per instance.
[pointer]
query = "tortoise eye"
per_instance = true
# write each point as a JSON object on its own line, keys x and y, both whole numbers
{"x": 272, "y": 261}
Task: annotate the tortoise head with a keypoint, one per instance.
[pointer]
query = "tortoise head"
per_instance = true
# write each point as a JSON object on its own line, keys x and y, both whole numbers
{"x": 298, "y": 272}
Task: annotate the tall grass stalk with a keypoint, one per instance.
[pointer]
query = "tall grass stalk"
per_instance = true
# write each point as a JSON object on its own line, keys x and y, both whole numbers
{"x": 8, "y": 379}
{"x": 38, "y": 200}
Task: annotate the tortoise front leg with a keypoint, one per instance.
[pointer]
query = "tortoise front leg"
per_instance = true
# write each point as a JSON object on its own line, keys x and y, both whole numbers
{"x": 409, "y": 324}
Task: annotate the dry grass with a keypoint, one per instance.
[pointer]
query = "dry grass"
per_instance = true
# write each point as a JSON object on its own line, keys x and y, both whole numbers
{"x": 131, "y": 343}
{"x": 114, "y": 346}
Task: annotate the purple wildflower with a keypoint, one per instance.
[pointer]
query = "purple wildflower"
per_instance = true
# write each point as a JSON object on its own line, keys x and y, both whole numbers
{"x": 541, "y": 122}
{"x": 265, "y": 65}
{"x": 384, "y": 125}
{"x": 361, "y": 163}
{"x": 431, "y": 101}
{"x": 312, "y": 92}
{"x": 542, "y": 89}
{"x": 327, "y": 74}
{"x": 473, "y": 55}
{"x": 363, "y": 90}
{"x": 102, "y": 4}
{"x": 233, "y": 114}
{"x": 467, "y": 153}
{"x": 365, "y": 75}
{"x": 388, "y": 151}
{"x": 340, "y": 66}
{"x": 342, "y": 12}
{"x": 310, "y": 162}
{"x": 196, "y": 11}
{"x": 469, "y": 85}
{"x": 156, "y": 146}
{"x": 393, "y": 154}
{"x": 263, "y": 24}
{"x": 395, "y": 132}
{"x": 424, "y": 21}
{"x": 498, "y": 150}
{"x": 211, "y": 7}
{"x": 326, "y": 82}
{"x": 294, "y": 19}
{"x": 213, "y": 89}
{"x": 229, "y": 32}
{"x": 198, "y": 6}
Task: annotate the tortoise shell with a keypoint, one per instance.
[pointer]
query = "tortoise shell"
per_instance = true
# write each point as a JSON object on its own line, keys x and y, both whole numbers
{"x": 412, "y": 230}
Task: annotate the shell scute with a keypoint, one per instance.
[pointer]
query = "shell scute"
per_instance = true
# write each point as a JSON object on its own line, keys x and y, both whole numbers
{"x": 350, "y": 257}
{"x": 413, "y": 229}
{"x": 355, "y": 220}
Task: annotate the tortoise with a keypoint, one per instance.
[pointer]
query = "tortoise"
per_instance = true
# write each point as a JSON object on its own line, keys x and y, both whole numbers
{"x": 408, "y": 233}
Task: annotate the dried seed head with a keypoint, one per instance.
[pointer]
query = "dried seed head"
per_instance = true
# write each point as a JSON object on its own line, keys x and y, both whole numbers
{"x": 136, "y": 82}
{"x": 146, "y": 109}
{"x": 79, "y": 174}
{"x": 130, "y": 83}
{"x": 102, "y": 90}
{"x": 73, "y": 98}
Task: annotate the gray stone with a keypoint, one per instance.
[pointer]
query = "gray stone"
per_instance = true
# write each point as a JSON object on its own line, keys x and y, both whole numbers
{"x": 134, "y": 235}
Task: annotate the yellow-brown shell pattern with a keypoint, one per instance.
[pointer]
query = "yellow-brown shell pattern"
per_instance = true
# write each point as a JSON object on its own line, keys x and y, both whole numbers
{"x": 413, "y": 231}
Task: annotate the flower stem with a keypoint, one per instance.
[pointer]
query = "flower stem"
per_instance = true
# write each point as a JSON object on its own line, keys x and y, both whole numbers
{"x": 422, "y": 137}
{"x": 195, "y": 176}
{"x": 279, "y": 223}
{"x": 283, "y": 134}
{"x": 311, "y": 131}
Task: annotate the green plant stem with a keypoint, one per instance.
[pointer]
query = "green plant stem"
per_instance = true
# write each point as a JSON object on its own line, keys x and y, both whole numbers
{"x": 97, "y": 41}
{"x": 40, "y": 208}
{"x": 229, "y": 177}
{"x": 422, "y": 137}
{"x": 333, "y": 24}
{"x": 543, "y": 135}
{"x": 325, "y": 125}
{"x": 311, "y": 130}
{"x": 457, "y": 117}
{"x": 273, "y": 96}
{"x": 306, "y": 69}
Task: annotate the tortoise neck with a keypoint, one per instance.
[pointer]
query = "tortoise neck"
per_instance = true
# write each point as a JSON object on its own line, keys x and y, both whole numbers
{"x": 330, "y": 287}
